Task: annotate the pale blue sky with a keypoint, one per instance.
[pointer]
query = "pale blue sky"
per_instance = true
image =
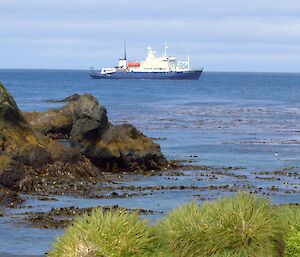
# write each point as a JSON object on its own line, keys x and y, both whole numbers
{"x": 231, "y": 35}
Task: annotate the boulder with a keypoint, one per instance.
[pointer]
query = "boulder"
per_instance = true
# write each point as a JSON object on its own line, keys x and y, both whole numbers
{"x": 89, "y": 123}
{"x": 81, "y": 119}
{"x": 110, "y": 147}
{"x": 123, "y": 147}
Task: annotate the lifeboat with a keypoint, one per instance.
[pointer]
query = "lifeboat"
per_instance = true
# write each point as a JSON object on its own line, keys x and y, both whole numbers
{"x": 134, "y": 64}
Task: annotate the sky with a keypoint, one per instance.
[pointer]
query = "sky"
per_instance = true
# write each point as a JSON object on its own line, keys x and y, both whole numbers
{"x": 219, "y": 35}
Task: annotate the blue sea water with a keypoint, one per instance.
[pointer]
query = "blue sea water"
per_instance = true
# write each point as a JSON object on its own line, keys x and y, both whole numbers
{"x": 246, "y": 120}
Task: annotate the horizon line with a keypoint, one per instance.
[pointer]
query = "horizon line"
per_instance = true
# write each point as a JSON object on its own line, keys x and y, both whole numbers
{"x": 210, "y": 71}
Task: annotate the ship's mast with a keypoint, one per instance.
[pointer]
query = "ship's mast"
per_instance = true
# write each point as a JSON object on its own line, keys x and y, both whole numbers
{"x": 124, "y": 50}
{"x": 166, "y": 47}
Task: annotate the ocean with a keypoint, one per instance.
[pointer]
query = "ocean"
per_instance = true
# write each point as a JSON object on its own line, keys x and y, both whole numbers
{"x": 244, "y": 128}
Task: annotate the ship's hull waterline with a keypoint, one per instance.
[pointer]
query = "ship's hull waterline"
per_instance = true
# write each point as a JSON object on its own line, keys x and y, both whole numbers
{"x": 185, "y": 75}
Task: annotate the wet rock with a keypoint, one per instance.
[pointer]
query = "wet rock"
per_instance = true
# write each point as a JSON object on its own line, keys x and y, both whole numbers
{"x": 82, "y": 168}
{"x": 10, "y": 199}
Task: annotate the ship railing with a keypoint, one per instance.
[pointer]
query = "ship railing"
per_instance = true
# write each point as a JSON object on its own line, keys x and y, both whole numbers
{"x": 183, "y": 65}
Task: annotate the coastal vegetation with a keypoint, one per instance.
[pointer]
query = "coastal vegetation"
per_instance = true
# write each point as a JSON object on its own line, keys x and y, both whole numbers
{"x": 111, "y": 233}
{"x": 242, "y": 225}
{"x": 292, "y": 237}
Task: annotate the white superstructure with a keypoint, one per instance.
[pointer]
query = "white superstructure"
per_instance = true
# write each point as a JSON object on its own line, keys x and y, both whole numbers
{"x": 165, "y": 63}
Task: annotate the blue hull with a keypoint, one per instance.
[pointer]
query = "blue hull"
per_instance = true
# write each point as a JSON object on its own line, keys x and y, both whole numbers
{"x": 187, "y": 75}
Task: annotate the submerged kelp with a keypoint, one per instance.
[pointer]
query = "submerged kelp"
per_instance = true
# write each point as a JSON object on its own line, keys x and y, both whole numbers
{"x": 112, "y": 233}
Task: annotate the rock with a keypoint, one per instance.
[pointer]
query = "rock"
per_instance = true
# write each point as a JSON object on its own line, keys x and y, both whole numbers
{"x": 10, "y": 199}
{"x": 13, "y": 174}
{"x": 123, "y": 147}
{"x": 25, "y": 154}
{"x": 56, "y": 123}
{"x": 110, "y": 147}
{"x": 81, "y": 169}
{"x": 70, "y": 98}
{"x": 33, "y": 155}
{"x": 114, "y": 148}
{"x": 82, "y": 119}
{"x": 89, "y": 123}
{"x": 9, "y": 112}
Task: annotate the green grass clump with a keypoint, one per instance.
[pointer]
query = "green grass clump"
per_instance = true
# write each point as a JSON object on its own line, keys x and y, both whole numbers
{"x": 292, "y": 244}
{"x": 239, "y": 226}
{"x": 113, "y": 233}
{"x": 292, "y": 239}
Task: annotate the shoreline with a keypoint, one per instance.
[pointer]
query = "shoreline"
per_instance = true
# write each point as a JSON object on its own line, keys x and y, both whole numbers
{"x": 177, "y": 128}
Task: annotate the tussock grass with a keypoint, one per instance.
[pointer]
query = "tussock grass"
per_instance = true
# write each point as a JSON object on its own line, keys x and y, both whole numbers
{"x": 292, "y": 239}
{"x": 113, "y": 233}
{"x": 238, "y": 226}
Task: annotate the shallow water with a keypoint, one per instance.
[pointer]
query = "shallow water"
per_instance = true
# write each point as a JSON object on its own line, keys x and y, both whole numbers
{"x": 247, "y": 121}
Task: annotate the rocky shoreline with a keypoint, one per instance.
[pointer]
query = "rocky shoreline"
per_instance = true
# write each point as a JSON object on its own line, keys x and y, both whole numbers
{"x": 51, "y": 162}
{"x": 33, "y": 160}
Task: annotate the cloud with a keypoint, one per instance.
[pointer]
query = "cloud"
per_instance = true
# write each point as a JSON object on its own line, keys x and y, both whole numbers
{"x": 77, "y": 34}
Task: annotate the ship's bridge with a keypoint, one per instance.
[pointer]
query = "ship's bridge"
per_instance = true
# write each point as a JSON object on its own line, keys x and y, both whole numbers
{"x": 154, "y": 64}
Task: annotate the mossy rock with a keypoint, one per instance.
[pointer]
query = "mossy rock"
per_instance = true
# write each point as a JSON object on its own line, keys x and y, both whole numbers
{"x": 25, "y": 153}
{"x": 126, "y": 148}
{"x": 11, "y": 172}
{"x": 9, "y": 111}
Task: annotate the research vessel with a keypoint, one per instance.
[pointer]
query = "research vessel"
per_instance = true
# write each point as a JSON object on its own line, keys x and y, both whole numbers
{"x": 163, "y": 67}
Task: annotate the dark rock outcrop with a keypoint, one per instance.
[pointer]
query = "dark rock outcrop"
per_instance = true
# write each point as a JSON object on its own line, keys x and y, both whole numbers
{"x": 124, "y": 147}
{"x": 89, "y": 123}
{"x": 110, "y": 147}
{"x": 9, "y": 111}
{"x": 26, "y": 154}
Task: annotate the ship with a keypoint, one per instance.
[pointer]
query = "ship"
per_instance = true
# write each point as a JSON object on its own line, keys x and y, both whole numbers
{"x": 163, "y": 67}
